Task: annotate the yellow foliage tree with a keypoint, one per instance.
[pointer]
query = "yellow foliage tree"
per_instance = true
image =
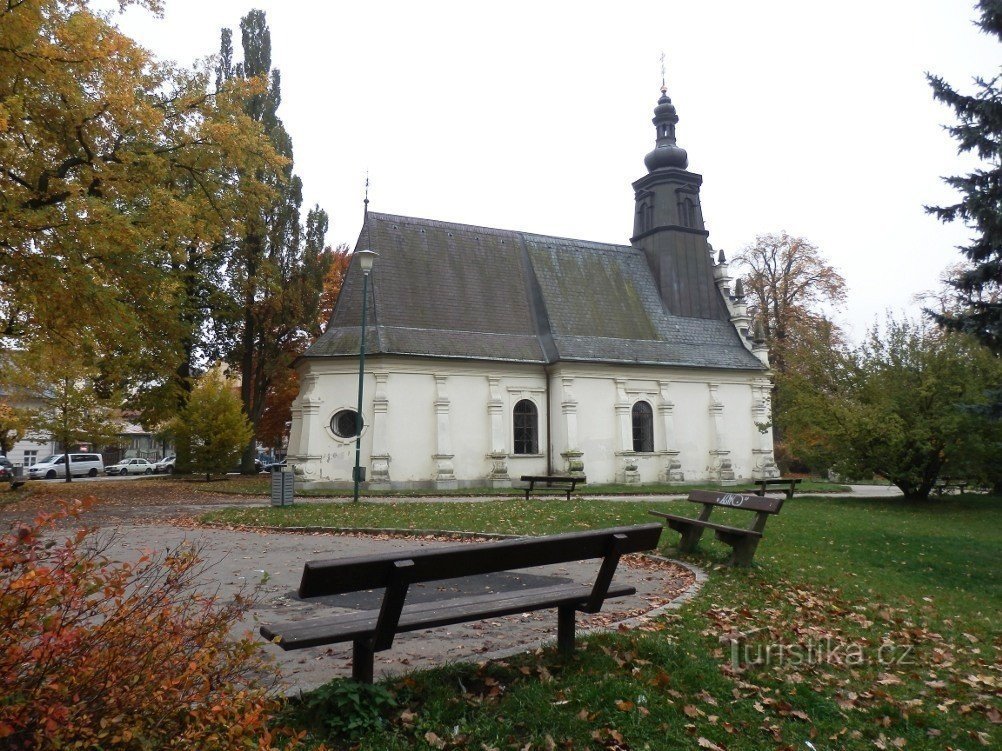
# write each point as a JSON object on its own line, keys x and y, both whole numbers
{"x": 113, "y": 167}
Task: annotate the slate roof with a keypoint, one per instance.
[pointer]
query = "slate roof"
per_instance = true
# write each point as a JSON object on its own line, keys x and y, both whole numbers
{"x": 439, "y": 289}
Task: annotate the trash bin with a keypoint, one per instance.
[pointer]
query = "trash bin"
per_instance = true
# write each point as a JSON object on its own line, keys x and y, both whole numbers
{"x": 282, "y": 486}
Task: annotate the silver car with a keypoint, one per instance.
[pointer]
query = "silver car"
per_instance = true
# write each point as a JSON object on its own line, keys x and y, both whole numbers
{"x": 130, "y": 467}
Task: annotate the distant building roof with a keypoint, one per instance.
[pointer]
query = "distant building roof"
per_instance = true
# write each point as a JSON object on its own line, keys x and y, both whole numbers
{"x": 439, "y": 289}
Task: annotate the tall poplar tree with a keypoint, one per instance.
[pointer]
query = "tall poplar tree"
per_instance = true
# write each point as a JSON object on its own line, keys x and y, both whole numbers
{"x": 978, "y": 131}
{"x": 276, "y": 266}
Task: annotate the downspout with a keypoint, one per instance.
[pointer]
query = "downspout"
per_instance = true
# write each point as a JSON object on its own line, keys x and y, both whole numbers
{"x": 549, "y": 439}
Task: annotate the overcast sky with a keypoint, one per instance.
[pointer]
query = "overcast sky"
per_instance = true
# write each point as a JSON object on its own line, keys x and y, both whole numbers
{"x": 814, "y": 118}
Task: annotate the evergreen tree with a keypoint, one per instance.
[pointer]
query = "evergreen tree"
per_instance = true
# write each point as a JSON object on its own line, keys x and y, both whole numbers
{"x": 212, "y": 429}
{"x": 276, "y": 268}
{"x": 978, "y": 131}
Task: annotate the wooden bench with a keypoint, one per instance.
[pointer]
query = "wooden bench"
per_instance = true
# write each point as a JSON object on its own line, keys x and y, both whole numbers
{"x": 372, "y": 631}
{"x": 787, "y": 484}
{"x": 743, "y": 541}
{"x": 945, "y": 484}
{"x": 565, "y": 483}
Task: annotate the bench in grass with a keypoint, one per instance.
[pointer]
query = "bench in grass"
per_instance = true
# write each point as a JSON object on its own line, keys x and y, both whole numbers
{"x": 372, "y": 631}
{"x": 744, "y": 541}
{"x": 946, "y": 484}
{"x": 559, "y": 483}
{"x": 786, "y": 484}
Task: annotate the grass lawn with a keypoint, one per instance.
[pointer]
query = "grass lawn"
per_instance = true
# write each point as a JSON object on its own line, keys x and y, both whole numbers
{"x": 897, "y": 603}
{"x": 261, "y": 485}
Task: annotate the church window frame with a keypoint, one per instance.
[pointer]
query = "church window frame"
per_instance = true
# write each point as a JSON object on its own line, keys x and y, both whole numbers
{"x": 642, "y": 423}
{"x": 525, "y": 428}
{"x": 345, "y": 424}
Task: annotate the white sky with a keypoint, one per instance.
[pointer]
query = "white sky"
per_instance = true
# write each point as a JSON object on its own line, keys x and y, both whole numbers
{"x": 804, "y": 116}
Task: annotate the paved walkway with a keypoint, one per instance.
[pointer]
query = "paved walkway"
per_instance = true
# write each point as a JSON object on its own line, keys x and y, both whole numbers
{"x": 271, "y": 564}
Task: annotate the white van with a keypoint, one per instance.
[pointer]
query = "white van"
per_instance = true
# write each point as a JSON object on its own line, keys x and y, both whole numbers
{"x": 81, "y": 465}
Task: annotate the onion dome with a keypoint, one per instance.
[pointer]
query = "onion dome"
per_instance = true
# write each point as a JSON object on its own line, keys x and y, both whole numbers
{"x": 667, "y": 154}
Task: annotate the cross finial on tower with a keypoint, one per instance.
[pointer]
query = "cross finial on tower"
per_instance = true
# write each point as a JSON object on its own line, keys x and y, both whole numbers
{"x": 664, "y": 86}
{"x": 366, "y": 201}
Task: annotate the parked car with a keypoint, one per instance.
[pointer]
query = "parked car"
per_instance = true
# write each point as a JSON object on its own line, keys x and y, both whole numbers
{"x": 130, "y": 467}
{"x": 6, "y": 468}
{"x": 165, "y": 465}
{"x": 81, "y": 465}
{"x": 274, "y": 466}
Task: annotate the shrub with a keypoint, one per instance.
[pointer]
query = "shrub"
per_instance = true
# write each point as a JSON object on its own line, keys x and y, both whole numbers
{"x": 212, "y": 430}
{"x": 96, "y": 653}
{"x": 343, "y": 710}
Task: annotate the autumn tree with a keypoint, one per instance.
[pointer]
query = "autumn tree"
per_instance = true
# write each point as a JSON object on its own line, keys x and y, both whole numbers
{"x": 898, "y": 406}
{"x": 212, "y": 429}
{"x": 333, "y": 281}
{"x": 13, "y": 425}
{"x": 71, "y": 403}
{"x": 789, "y": 283}
{"x": 978, "y": 131}
{"x": 276, "y": 268}
{"x": 108, "y": 158}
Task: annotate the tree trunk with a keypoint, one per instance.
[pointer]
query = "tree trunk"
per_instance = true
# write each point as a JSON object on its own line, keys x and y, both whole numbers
{"x": 247, "y": 355}
{"x": 66, "y": 437}
{"x": 183, "y": 374}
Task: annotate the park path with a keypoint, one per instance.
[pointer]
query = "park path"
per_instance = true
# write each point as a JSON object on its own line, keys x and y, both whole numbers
{"x": 270, "y": 564}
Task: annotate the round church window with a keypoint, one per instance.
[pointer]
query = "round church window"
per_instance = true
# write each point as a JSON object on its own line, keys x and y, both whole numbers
{"x": 346, "y": 423}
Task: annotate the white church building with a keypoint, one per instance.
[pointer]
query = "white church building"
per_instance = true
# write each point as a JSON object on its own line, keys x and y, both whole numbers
{"x": 492, "y": 354}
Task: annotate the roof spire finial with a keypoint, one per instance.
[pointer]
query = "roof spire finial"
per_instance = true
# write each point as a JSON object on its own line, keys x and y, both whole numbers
{"x": 366, "y": 201}
{"x": 667, "y": 154}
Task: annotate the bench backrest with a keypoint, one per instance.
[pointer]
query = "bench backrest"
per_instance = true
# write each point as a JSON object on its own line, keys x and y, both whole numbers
{"x": 737, "y": 500}
{"x": 340, "y": 575}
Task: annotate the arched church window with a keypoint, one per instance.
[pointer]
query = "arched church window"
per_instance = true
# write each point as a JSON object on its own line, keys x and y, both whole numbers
{"x": 645, "y": 217}
{"x": 686, "y": 213}
{"x": 525, "y": 419}
{"x": 643, "y": 428}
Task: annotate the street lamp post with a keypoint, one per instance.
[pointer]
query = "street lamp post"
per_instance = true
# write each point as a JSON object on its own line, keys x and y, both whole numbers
{"x": 365, "y": 259}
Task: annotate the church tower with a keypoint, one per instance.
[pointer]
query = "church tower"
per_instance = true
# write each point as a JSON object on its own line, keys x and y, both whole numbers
{"x": 668, "y": 225}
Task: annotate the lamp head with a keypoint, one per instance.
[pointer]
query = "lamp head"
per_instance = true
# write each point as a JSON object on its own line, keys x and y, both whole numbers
{"x": 365, "y": 259}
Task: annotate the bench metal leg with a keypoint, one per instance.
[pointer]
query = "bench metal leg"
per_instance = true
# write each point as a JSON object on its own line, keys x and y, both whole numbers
{"x": 362, "y": 659}
{"x": 565, "y": 629}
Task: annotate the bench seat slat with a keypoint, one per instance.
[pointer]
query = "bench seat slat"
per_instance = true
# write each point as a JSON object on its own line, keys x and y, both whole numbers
{"x": 358, "y": 625}
{"x": 706, "y": 524}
